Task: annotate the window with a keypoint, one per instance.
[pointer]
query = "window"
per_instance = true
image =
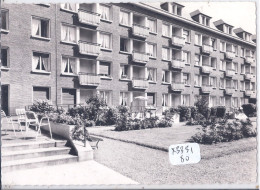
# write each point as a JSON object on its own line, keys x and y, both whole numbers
{"x": 213, "y": 43}
{"x": 151, "y": 99}
{"x": 41, "y": 62}
{"x": 4, "y": 57}
{"x": 166, "y": 76}
{"x": 242, "y": 101}
{"x": 41, "y": 93}
{"x": 106, "y": 96}
{"x": 166, "y": 30}
{"x": 222, "y": 83}
{"x": 69, "y": 6}
{"x": 234, "y": 102}
{"x": 222, "y": 46}
{"x": 186, "y": 78}
{"x": 151, "y": 49}
{"x": 243, "y": 70}
{"x": 213, "y": 62}
{"x": 235, "y": 84}
{"x": 105, "y": 12}
{"x": 68, "y": 65}
{"x": 105, "y": 69}
{"x": 165, "y": 53}
{"x": 198, "y": 39}
{"x": 40, "y": 27}
{"x": 197, "y": 59}
{"x": 236, "y": 50}
{"x": 213, "y": 82}
{"x": 222, "y": 65}
{"x": 186, "y": 56}
{"x": 242, "y": 85}
{"x": 235, "y": 66}
{"x": 152, "y": 25}
{"x": 151, "y": 74}
{"x": 222, "y": 100}
{"x": 124, "y": 44}
{"x": 124, "y": 18}
{"x": 242, "y": 52}
{"x": 185, "y": 99}
{"x": 124, "y": 72}
{"x": 105, "y": 40}
{"x": 186, "y": 35}
{"x": 124, "y": 99}
{"x": 165, "y": 100}
{"x": 68, "y": 33}
{"x": 212, "y": 101}
{"x": 253, "y": 70}
{"x": 4, "y": 19}
{"x": 197, "y": 80}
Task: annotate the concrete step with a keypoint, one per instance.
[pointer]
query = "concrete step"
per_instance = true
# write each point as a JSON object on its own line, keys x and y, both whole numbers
{"x": 14, "y": 165}
{"x": 32, "y": 145}
{"x": 33, "y": 153}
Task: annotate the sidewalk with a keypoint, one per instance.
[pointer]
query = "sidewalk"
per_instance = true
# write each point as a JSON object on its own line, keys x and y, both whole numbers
{"x": 81, "y": 173}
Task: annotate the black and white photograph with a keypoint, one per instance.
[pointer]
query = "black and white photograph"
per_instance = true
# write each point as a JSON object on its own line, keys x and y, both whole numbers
{"x": 129, "y": 94}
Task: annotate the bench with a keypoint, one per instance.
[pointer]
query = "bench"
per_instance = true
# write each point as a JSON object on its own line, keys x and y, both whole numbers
{"x": 94, "y": 141}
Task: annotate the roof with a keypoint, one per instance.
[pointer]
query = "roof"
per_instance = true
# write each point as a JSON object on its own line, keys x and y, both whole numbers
{"x": 172, "y": 3}
{"x": 194, "y": 13}
{"x": 239, "y": 30}
{"x": 220, "y": 21}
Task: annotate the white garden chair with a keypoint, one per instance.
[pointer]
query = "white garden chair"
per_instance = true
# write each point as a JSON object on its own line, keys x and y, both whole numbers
{"x": 32, "y": 119}
{"x": 8, "y": 120}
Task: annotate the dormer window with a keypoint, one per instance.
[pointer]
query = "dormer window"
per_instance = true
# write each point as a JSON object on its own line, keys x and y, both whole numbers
{"x": 200, "y": 17}
{"x": 224, "y": 27}
{"x": 177, "y": 9}
{"x": 243, "y": 34}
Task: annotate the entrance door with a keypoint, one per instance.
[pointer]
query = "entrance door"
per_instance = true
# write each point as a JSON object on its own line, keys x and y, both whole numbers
{"x": 4, "y": 99}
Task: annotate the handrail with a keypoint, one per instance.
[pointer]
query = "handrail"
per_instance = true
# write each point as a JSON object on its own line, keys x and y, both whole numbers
{"x": 83, "y": 10}
{"x": 92, "y": 43}
{"x": 145, "y": 27}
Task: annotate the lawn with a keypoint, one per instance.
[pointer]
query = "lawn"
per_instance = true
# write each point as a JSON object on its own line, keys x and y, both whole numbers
{"x": 162, "y": 138}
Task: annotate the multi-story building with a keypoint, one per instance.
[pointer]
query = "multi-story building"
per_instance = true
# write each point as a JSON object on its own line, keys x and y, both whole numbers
{"x": 69, "y": 52}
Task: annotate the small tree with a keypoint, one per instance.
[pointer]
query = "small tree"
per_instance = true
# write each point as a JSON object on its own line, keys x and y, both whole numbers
{"x": 95, "y": 107}
{"x": 203, "y": 107}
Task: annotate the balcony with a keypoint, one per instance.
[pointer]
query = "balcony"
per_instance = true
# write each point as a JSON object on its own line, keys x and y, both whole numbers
{"x": 140, "y": 83}
{"x": 87, "y": 17}
{"x": 229, "y": 90}
{"x": 140, "y": 31}
{"x": 177, "y": 64}
{"x": 253, "y": 95}
{"x": 230, "y": 55}
{"x": 177, "y": 86}
{"x": 249, "y": 60}
{"x": 89, "y": 48}
{"x": 230, "y": 72}
{"x": 89, "y": 79}
{"x": 206, "y": 49}
{"x": 206, "y": 69}
{"x": 140, "y": 57}
{"x": 206, "y": 89}
{"x": 178, "y": 41}
{"x": 249, "y": 92}
{"x": 248, "y": 76}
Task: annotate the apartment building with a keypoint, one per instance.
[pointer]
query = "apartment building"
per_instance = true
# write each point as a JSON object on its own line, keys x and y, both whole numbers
{"x": 67, "y": 53}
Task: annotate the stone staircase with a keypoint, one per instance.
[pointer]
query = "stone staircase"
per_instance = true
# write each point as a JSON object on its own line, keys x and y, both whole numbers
{"x": 26, "y": 155}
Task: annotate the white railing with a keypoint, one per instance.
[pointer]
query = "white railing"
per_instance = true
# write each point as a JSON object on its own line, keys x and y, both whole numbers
{"x": 230, "y": 72}
{"x": 140, "y": 57}
{"x": 229, "y": 90}
{"x": 87, "y": 79}
{"x": 207, "y": 48}
{"x": 178, "y": 63}
{"x": 88, "y": 17}
{"x": 140, "y": 83}
{"x": 89, "y": 48}
{"x": 249, "y": 59}
{"x": 230, "y": 55}
{"x": 206, "y": 88}
{"x": 177, "y": 86}
{"x": 178, "y": 41}
{"x": 248, "y": 76}
{"x": 206, "y": 69}
{"x": 141, "y": 31}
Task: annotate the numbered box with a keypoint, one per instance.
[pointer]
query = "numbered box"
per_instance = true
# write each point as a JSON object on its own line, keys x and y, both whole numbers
{"x": 188, "y": 153}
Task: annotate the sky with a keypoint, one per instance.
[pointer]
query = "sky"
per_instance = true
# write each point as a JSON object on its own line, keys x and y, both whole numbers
{"x": 237, "y": 14}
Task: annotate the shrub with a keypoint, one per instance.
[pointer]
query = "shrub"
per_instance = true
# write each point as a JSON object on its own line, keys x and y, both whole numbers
{"x": 110, "y": 116}
{"x": 202, "y": 106}
{"x": 95, "y": 107}
{"x": 77, "y": 111}
{"x": 194, "y": 112}
{"x": 213, "y": 111}
{"x": 41, "y": 106}
{"x": 122, "y": 118}
{"x": 249, "y": 109}
{"x": 185, "y": 113}
{"x": 221, "y": 111}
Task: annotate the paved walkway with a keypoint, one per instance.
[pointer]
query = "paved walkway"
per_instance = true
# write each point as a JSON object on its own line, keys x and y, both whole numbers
{"x": 81, "y": 173}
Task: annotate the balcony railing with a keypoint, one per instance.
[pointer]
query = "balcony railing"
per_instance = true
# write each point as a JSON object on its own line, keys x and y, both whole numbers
{"x": 230, "y": 72}
{"x": 177, "y": 63}
{"x": 248, "y": 76}
{"x": 230, "y": 55}
{"x": 88, "y": 17}
{"x": 249, "y": 59}
{"x": 177, "y": 86}
{"x": 178, "y": 41}
{"x": 141, "y": 31}
{"x": 229, "y": 90}
{"x": 140, "y": 57}
{"x": 89, "y": 48}
{"x": 206, "y": 89}
{"x": 249, "y": 92}
{"x": 89, "y": 79}
{"x": 206, "y": 69}
{"x": 207, "y": 48}
{"x": 253, "y": 95}
{"x": 140, "y": 83}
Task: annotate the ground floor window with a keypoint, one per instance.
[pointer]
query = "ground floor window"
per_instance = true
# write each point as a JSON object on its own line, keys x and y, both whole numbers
{"x": 165, "y": 100}
{"x": 106, "y": 96}
{"x": 151, "y": 99}
{"x": 41, "y": 93}
{"x": 124, "y": 99}
{"x": 68, "y": 96}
